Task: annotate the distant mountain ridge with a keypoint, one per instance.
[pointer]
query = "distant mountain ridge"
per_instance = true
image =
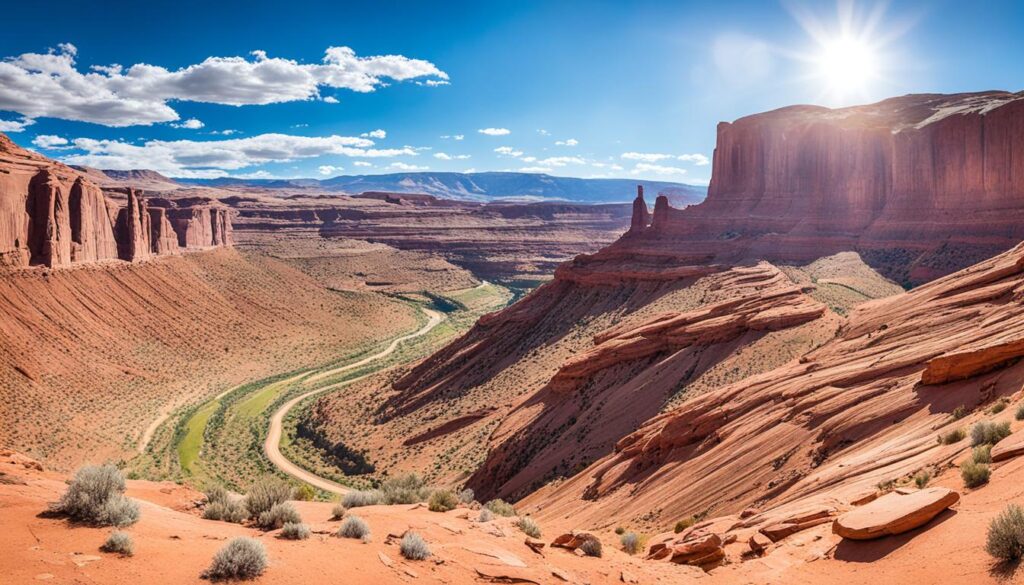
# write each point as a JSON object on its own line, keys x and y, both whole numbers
{"x": 479, "y": 186}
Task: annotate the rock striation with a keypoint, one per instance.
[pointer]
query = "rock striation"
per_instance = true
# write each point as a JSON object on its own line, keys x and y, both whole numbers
{"x": 52, "y": 215}
{"x": 894, "y": 513}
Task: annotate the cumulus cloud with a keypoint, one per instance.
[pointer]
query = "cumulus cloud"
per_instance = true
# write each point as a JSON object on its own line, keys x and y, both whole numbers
{"x": 569, "y": 142}
{"x": 646, "y": 156}
{"x": 362, "y": 163}
{"x": 401, "y": 166}
{"x": 212, "y": 158}
{"x": 446, "y": 156}
{"x": 15, "y": 125}
{"x": 698, "y": 159}
{"x": 647, "y": 168}
{"x": 51, "y": 85}
{"x": 331, "y": 100}
{"x": 191, "y": 124}
{"x": 453, "y": 136}
{"x": 378, "y": 134}
{"x": 561, "y": 161}
{"x": 494, "y": 131}
{"x": 227, "y": 132}
{"x": 508, "y": 151}
{"x": 50, "y": 141}
{"x": 328, "y": 169}
{"x": 543, "y": 132}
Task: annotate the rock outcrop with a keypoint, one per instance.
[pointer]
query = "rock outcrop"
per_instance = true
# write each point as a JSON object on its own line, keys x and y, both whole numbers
{"x": 52, "y": 215}
{"x": 641, "y": 216}
{"x": 894, "y": 513}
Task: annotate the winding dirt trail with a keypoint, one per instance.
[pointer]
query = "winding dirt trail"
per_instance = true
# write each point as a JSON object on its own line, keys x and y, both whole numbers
{"x": 272, "y": 444}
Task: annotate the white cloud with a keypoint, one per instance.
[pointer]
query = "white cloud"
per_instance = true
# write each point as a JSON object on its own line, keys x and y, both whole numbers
{"x": 494, "y": 131}
{"x": 508, "y": 151}
{"x": 190, "y": 158}
{"x": 458, "y": 137}
{"x": 50, "y": 85}
{"x": 378, "y": 134}
{"x": 401, "y": 166}
{"x": 190, "y": 124}
{"x": 698, "y": 159}
{"x": 646, "y": 168}
{"x": 227, "y": 132}
{"x": 50, "y": 141}
{"x": 446, "y": 156}
{"x": 534, "y": 170}
{"x": 331, "y": 100}
{"x": 646, "y": 156}
{"x": 433, "y": 82}
{"x": 561, "y": 161}
{"x": 529, "y": 159}
{"x": 569, "y": 142}
{"x": 15, "y": 125}
{"x": 328, "y": 169}
{"x": 362, "y": 163}
{"x": 543, "y": 132}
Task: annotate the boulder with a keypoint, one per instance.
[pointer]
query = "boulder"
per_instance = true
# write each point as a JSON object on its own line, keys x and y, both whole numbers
{"x": 759, "y": 543}
{"x": 894, "y": 513}
{"x": 701, "y": 551}
{"x": 1008, "y": 448}
{"x": 573, "y": 540}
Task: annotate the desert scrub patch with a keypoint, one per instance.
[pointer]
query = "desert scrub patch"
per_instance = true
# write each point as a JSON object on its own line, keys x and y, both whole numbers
{"x": 500, "y": 507}
{"x": 278, "y": 515}
{"x": 921, "y": 479}
{"x": 442, "y": 501}
{"x": 989, "y": 432}
{"x": 485, "y": 515}
{"x": 592, "y": 547}
{"x": 1005, "y": 539}
{"x": 953, "y": 436}
{"x": 338, "y": 511}
{"x": 467, "y": 496}
{"x": 360, "y": 498}
{"x": 242, "y": 558}
{"x": 405, "y": 489}
{"x": 632, "y": 542}
{"x": 267, "y": 492}
{"x": 295, "y": 531}
{"x": 354, "y": 527}
{"x": 982, "y": 454}
{"x": 413, "y": 547}
{"x": 684, "y": 524}
{"x": 120, "y": 543}
{"x": 999, "y": 406}
{"x": 1019, "y": 415}
{"x": 529, "y": 526}
{"x": 974, "y": 474}
{"x": 96, "y": 496}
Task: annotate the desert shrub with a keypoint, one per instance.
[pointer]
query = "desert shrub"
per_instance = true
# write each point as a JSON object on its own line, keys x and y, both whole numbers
{"x": 485, "y": 515}
{"x": 442, "y": 501}
{"x": 217, "y": 495}
{"x": 360, "y": 498}
{"x": 354, "y": 527}
{"x": 413, "y": 547}
{"x": 591, "y": 547}
{"x": 684, "y": 524}
{"x": 96, "y": 496}
{"x": 501, "y": 508}
{"x": 1006, "y": 534}
{"x": 242, "y": 558}
{"x": 466, "y": 496}
{"x": 953, "y": 436}
{"x": 989, "y": 433}
{"x": 226, "y": 510}
{"x": 278, "y": 515}
{"x": 295, "y": 531}
{"x": 529, "y": 526}
{"x": 999, "y": 406}
{"x": 405, "y": 489}
{"x": 620, "y": 530}
{"x": 921, "y": 479}
{"x": 305, "y": 493}
{"x": 119, "y": 542}
{"x": 265, "y": 493}
{"x": 959, "y": 412}
{"x": 974, "y": 474}
{"x": 1019, "y": 415}
{"x": 338, "y": 511}
{"x": 982, "y": 454}
{"x": 632, "y": 542}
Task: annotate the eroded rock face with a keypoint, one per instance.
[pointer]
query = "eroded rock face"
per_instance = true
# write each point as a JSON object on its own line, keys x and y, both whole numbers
{"x": 52, "y": 215}
{"x": 894, "y": 513}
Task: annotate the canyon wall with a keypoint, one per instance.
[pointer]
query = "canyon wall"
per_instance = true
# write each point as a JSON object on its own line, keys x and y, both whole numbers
{"x": 51, "y": 215}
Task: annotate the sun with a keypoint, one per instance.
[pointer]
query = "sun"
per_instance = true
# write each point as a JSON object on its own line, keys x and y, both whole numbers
{"x": 847, "y": 66}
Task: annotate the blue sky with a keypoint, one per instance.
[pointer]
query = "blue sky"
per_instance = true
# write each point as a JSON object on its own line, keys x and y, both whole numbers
{"x": 623, "y": 89}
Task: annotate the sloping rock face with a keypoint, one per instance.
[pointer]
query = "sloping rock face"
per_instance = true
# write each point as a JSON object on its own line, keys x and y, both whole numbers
{"x": 52, "y": 215}
{"x": 921, "y": 186}
{"x": 894, "y": 513}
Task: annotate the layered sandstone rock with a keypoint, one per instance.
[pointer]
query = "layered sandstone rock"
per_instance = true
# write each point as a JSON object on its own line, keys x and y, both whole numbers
{"x": 894, "y": 513}
{"x": 52, "y": 215}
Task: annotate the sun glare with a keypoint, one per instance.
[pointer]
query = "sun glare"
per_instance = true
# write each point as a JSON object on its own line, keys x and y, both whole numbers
{"x": 847, "y": 65}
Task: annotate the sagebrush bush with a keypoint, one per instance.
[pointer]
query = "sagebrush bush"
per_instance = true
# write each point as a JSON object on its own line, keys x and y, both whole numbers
{"x": 632, "y": 542}
{"x": 921, "y": 479}
{"x": 467, "y": 496}
{"x": 989, "y": 433}
{"x": 295, "y": 531}
{"x": 228, "y": 511}
{"x": 360, "y": 498}
{"x": 620, "y": 530}
{"x": 974, "y": 474}
{"x": 960, "y": 412}
{"x": 591, "y": 547}
{"x": 999, "y": 406}
{"x": 953, "y": 436}
{"x": 217, "y": 495}
{"x": 338, "y": 511}
{"x": 278, "y": 515}
{"x": 1006, "y": 534}
{"x": 265, "y": 493}
{"x": 119, "y": 542}
{"x": 684, "y": 524}
{"x": 354, "y": 527}
{"x": 405, "y": 489}
{"x": 442, "y": 501}
{"x": 485, "y": 515}
{"x": 413, "y": 547}
{"x": 501, "y": 508}
{"x": 529, "y": 526}
{"x": 1019, "y": 415}
{"x": 982, "y": 454}
{"x": 96, "y": 496}
{"x": 305, "y": 493}
{"x": 242, "y": 558}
